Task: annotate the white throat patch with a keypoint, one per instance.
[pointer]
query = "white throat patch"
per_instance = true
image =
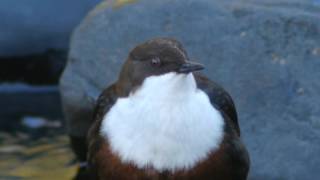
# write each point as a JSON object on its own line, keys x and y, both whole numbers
{"x": 167, "y": 124}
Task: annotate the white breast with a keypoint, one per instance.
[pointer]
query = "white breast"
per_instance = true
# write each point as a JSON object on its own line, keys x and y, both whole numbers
{"x": 168, "y": 124}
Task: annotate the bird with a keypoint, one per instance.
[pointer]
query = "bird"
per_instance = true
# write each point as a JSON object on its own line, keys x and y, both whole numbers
{"x": 164, "y": 120}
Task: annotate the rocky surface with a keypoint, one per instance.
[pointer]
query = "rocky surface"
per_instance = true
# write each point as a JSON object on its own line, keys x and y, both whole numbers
{"x": 34, "y": 38}
{"x": 265, "y": 53}
{"x": 34, "y": 26}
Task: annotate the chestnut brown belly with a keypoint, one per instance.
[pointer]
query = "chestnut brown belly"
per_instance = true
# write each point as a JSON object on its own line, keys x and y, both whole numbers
{"x": 219, "y": 165}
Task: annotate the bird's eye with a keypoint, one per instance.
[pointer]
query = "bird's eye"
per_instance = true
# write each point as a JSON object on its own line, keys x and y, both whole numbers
{"x": 156, "y": 61}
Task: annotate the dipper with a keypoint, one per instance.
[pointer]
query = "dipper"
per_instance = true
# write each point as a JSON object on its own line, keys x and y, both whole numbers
{"x": 163, "y": 120}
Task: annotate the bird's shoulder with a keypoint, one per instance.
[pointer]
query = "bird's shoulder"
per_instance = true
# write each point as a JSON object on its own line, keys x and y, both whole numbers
{"x": 103, "y": 104}
{"x": 219, "y": 98}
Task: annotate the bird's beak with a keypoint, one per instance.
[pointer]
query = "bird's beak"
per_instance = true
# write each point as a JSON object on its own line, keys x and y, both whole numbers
{"x": 189, "y": 66}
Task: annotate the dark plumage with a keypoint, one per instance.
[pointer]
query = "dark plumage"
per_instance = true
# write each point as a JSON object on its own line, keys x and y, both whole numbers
{"x": 229, "y": 162}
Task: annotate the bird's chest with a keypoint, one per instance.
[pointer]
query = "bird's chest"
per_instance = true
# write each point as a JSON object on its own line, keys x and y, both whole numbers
{"x": 214, "y": 166}
{"x": 164, "y": 131}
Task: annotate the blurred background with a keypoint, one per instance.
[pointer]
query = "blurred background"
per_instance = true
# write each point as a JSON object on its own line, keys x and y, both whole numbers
{"x": 60, "y": 54}
{"x": 34, "y": 42}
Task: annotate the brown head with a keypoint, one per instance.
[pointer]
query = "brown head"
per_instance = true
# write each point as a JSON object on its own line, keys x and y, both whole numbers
{"x": 156, "y": 57}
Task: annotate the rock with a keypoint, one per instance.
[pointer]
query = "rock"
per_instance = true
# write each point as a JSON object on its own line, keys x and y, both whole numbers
{"x": 34, "y": 37}
{"x": 43, "y": 25}
{"x": 265, "y": 53}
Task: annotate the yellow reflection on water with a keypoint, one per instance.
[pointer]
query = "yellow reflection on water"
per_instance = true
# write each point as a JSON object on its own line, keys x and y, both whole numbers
{"x": 44, "y": 160}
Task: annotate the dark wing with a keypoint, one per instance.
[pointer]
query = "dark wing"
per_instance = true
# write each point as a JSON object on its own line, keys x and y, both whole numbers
{"x": 105, "y": 101}
{"x": 219, "y": 98}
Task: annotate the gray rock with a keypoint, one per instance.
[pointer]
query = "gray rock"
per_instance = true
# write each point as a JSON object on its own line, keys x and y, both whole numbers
{"x": 265, "y": 53}
{"x": 33, "y": 26}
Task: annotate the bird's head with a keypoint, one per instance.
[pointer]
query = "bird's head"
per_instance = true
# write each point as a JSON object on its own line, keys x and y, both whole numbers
{"x": 157, "y": 57}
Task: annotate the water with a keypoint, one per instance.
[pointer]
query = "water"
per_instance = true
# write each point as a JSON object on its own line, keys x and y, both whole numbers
{"x": 22, "y": 157}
